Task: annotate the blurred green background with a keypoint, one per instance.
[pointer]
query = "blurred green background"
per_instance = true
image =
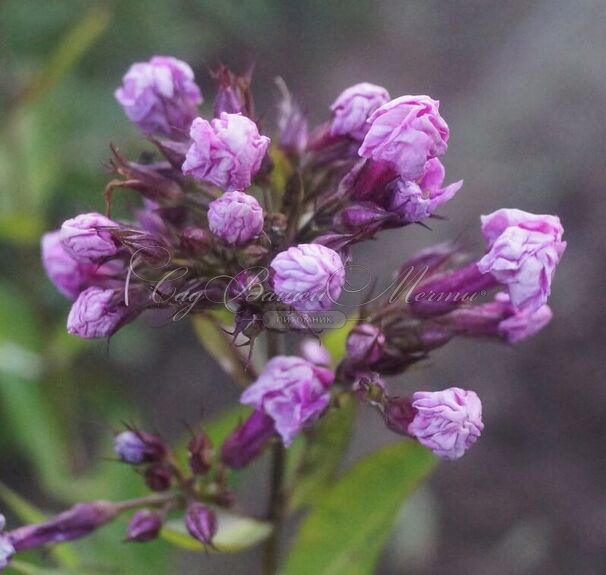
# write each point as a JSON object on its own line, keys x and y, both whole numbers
{"x": 523, "y": 87}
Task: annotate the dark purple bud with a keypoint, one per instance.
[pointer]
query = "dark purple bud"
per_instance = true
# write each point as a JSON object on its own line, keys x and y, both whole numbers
{"x": 200, "y": 453}
{"x": 365, "y": 218}
{"x": 158, "y": 477}
{"x": 74, "y": 523}
{"x": 195, "y": 241}
{"x": 144, "y": 526}
{"x": 367, "y": 181}
{"x": 233, "y": 94}
{"x": 447, "y": 291}
{"x": 201, "y": 523}
{"x": 398, "y": 413}
{"x": 136, "y": 447}
{"x": 248, "y": 440}
{"x": 292, "y": 124}
{"x": 365, "y": 344}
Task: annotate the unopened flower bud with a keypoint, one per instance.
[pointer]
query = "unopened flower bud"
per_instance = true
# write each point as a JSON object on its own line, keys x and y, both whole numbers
{"x": 448, "y": 422}
{"x": 248, "y": 440}
{"x": 201, "y": 523}
{"x": 74, "y": 523}
{"x": 354, "y": 106}
{"x": 523, "y": 252}
{"x": 88, "y": 237}
{"x": 405, "y": 133}
{"x": 226, "y": 152}
{"x": 200, "y": 453}
{"x": 309, "y": 277}
{"x": 69, "y": 275}
{"x": 364, "y": 217}
{"x": 236, "y": 218}
{"x": 292, "y": 391}
{"x": 136, "y": 447}
{"x": 98, "y": 312}
{"x": 145, "y": 525}
{"x": 365, "y": 344}
{"x": 158, "y": 477}
{"x": 160, "y": 96}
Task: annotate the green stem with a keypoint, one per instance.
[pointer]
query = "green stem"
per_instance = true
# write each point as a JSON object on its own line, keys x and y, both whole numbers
{"x": 150, "y": 500}
{"x": 277, "y": 498}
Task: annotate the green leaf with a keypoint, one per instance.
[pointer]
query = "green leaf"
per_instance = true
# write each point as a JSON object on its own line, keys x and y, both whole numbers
{"x": 327, "y": 443}
{"x": 235, "y": 533}
{"x": 219, "y": 344}
{"x": 351, "y": 522}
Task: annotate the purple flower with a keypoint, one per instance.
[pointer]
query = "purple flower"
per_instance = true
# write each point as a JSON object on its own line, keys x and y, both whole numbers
{"x": 137, "y": 447}
{"x": 97, "y": 312}
{"x": 144, "y": 526}
{"x": 236, "y": 218}
{"x": 160, "y": 96}
{"x": 523, "y": 252}
{"x": 448, "y": 422}
{"x": 226, "y": 152}
{"x": 247, "y": 440}
{"x": 309, "y": 277}
{"x": 365, "y": 344}
{"x": 201, "y": 523}
{"x": 416, "y": 201}
{"x": 523, "y": 323}
{"x": 88, "y": 237}
{"x": 292, "y": 391}
{"x": 354, "y": 106}
{"x": 405, "y": 133}
{"x": 314, "y": 352}
{"x": 69, "y": 276}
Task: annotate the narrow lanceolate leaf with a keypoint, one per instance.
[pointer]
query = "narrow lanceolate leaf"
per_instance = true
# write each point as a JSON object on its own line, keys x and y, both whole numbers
{"x": 235, "y": 533}
{"x": 219, "y": 344}
{"x": 350, "y": 523}
{"x": 326, "y": 445}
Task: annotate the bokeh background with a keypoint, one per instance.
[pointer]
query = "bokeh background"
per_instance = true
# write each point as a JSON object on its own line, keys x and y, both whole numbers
{"x": 523, "y": 87}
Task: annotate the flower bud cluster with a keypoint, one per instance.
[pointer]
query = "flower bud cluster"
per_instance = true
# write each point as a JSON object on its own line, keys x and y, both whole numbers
{"x": 230, "y": 218}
